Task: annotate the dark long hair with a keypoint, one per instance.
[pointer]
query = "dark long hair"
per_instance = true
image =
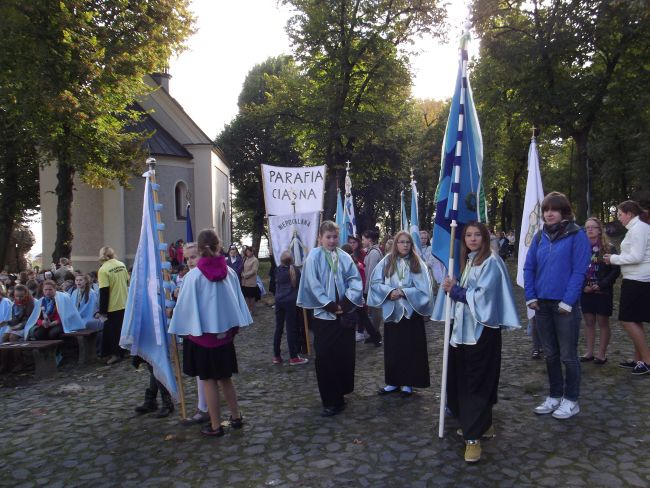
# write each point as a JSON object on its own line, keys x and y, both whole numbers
{"x": 208, "y": 243}
{"x": 391, "y": 264}
{"x": 630, "y": 206}
{"x": 483, "y": 253}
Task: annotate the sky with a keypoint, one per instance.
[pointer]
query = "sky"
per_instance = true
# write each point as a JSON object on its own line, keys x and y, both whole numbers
{"x": 232, "y": 36}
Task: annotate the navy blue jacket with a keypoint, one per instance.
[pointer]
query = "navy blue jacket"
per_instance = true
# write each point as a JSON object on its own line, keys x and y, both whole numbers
{"x": 556, "y": 270}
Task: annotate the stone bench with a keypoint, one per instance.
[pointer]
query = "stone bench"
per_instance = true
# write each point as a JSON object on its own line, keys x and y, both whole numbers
{"x": 43, "y": 352}
{"x": 86, "y": 340}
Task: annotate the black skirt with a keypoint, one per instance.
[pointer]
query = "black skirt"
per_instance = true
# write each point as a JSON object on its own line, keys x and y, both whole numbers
{"x": 406, "y": 360}
{"x": 597, "y": 303}
{"x": 251, "y": 292}
{"x": 635, "y": 296}
{"x": 473, "y": 382}
{"x": 209, "y": 363}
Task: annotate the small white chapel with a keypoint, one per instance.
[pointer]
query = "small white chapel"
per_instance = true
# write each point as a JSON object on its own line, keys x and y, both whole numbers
{"x": 190, "y": 168}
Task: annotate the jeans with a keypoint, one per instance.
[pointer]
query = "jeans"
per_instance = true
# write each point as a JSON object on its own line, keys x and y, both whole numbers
{"x": 559, "y": 335}
{"x": 285, "y": 312}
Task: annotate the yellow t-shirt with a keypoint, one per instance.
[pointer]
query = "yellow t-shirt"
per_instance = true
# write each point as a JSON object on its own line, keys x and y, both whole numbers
{"x": 114, "y": 275}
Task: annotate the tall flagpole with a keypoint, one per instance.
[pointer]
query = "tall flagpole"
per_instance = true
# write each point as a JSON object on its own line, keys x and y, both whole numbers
{"x": 453, "y": 226}
{"x": 151, "y": 162}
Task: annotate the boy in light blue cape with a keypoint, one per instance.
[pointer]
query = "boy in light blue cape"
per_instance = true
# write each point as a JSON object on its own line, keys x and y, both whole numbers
{"x": 331, "y": 286}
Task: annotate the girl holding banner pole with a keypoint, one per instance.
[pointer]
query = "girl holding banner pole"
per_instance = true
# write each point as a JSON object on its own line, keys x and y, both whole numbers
{"x": 332, "y": 287}
{"x": 483, "y": 304}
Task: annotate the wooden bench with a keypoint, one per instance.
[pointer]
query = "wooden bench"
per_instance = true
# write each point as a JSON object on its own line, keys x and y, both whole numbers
{"x": 43, "y": 352}
{"x": 86, "y": 340}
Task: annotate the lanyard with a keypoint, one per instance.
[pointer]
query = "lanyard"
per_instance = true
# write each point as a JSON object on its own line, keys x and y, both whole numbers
{"x": 401, "y": 270}
{"x": 332, "y": 260}
{"x": 465, "y": 275}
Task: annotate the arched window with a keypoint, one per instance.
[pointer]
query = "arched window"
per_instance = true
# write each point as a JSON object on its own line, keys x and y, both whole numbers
{"x": 224, "y": 224}
{"x": 180, "y": 199}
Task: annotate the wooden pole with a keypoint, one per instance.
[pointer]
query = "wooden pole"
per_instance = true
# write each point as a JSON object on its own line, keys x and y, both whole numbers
{"x": 151, "y": 162}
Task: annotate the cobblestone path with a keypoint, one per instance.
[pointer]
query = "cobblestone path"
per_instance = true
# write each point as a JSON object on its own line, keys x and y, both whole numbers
{"x": 79, "y": 428}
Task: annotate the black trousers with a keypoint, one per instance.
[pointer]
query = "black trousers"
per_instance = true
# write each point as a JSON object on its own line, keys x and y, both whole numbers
{"x": 51, "y": 333}
{"x": 366, "y": 324}
{"x": 111, "y": 333}
{"x": 335, "y": 359}
{"x": 473, "y": 381}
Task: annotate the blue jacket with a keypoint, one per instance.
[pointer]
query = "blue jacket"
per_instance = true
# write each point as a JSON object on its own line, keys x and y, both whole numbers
{"x": 556, "y": 270}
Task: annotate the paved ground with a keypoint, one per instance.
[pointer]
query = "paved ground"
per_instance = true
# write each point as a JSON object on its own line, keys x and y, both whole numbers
{"x": 79, "y": 428}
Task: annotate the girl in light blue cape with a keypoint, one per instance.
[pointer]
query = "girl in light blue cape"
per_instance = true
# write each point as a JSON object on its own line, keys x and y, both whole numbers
{"x": 401, "y": 285}
{"x": 85, "y": 298}
{"x": 331, "y": 286}
{"x": 209, "y": 312}
{"x": 65, "y": 308}
{"x": 483, "y": 305}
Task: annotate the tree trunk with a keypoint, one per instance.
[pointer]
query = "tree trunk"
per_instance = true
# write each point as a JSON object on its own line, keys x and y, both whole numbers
{"x": 8, "y": 200}
{"x": 494, "y": 206}
{"x": 580, "y": 198}
{"x": 65, "y": 196}
{"x": 258, "y": 221}
{"x": 517, "y": 203}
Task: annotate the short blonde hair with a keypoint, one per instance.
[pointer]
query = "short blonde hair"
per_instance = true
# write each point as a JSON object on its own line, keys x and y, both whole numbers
{"x": 190, "y": 245}
{"x": 106, "y": 253}
{"x": 327, "y": 226}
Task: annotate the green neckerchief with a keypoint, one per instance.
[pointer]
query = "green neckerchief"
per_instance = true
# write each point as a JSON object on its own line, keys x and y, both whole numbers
{"x": 333, "y": 262}
{"x": 401, "y": 269}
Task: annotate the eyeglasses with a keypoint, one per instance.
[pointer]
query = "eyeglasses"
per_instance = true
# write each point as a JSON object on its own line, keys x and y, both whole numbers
{"x": 404, "y": 242}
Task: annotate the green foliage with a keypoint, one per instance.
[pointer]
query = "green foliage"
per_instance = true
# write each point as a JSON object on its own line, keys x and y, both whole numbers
{"x": 571, "y": 68}
{"x": 71, "y": 71}
{"x": 357, "y": 80}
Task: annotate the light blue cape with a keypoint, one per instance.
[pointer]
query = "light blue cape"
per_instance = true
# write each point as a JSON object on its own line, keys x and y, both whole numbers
{"x": 318, "y": 285}
{"x": 209, "y": 307}
{"x": 87, "y": 309}
{"x": 416, "y": 287}
{"x": 70, "y": 318}
{"x": 490, "y": 303}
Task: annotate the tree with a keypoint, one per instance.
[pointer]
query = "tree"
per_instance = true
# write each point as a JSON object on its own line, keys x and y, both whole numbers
{"x": 563, "y": 60}
{"x": 71, "y": 72}
{"x": 357, "y": 77}
{"x": 258, "y": 135}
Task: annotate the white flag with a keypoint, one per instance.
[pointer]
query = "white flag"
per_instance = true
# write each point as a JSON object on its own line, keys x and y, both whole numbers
{"x": 296, "y": 233}
{"x": 531, "y": 218}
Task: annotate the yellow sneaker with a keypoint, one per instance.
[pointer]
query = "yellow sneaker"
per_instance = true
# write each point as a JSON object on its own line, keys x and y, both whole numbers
{"x": 472, "y": 451}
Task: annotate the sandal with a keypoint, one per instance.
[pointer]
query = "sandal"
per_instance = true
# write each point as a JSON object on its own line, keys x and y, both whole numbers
{"x": 600, "y": 361}
{"x": 237, "y": 423}
{"x": 210, "y": 432}
{"x": 586, "y": 359}
{"x": 198, "y": 418}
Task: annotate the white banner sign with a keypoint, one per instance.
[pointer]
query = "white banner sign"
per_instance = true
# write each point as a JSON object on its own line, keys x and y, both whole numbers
{"x": 282, "y": 186}
{"x": 296, "y": 233}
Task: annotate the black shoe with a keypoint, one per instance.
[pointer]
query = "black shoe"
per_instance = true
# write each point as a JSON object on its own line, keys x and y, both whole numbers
{"x": 165, "y": 411}
{"x": 628, "y": 364}
{"x": 150, "y": 404}
{"x": 537, "y": 354}
{"x": 406, "y": 393}
{"x": 378, "y": 344}
{"x": 331, "y": 411}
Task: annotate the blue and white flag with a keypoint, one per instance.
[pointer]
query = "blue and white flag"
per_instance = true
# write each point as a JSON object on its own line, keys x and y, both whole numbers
{"x": 349, "y": 219}
{"x": 415, "y": 220}
{"x": 340, "y": 218}
{"x": 189, "y": 235}
{"x": 144, "y": 330}
{"x": 405, "y": 220}
{"x": 459, "y": 197}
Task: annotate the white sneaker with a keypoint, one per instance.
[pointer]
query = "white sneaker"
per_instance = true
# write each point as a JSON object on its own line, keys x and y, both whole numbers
{"x": 549, "y": 406}
{"x": 567, "y": 409}
{"x": 360, "y": 337}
